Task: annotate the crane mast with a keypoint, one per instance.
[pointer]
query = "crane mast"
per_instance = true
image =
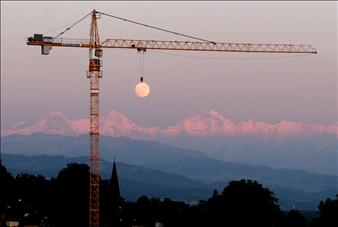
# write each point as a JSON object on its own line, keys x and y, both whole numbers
{"x": 94, "y": 74}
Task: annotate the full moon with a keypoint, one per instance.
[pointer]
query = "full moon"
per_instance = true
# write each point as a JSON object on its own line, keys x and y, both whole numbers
{"x": 142, "y": 89}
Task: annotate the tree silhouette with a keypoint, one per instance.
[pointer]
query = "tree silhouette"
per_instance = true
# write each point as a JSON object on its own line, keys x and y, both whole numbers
{"x": 64, "y": 201}
{"x": 72, "y": 188}
{"x": 244, "y": 203}
{"x": 7, "y": 194}
{"x": 295, "y": 219}
{"x": 143, "y": 211}
{"x": 7, "y": 185}
{"x": 328, "y": 211}
{"x": 33, "y": 197}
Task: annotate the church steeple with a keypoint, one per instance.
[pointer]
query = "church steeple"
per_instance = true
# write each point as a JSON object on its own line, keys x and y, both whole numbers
{"x": 116, "y": 201}
{"x": 114, "y": 185}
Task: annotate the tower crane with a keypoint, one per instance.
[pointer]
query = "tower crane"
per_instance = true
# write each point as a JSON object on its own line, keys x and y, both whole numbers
{"x": 94, "y": 74}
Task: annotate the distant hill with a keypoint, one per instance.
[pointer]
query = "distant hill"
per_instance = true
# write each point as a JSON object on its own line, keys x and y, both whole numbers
{"x": 127, "y": 150}
{"x": 193, "y": 164}
{"x": 136, "y": 180}
{"x": 316, "y": 153}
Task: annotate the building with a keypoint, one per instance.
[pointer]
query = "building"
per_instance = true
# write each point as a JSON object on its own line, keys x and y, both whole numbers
{"x": 114, "y": 186}
{"x": 117, "y": 218}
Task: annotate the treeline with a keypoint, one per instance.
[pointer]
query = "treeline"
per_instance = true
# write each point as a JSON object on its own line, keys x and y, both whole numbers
{"x": 63, "y": 202}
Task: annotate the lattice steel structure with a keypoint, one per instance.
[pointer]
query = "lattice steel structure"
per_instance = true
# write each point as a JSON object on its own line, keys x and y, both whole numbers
{"x": 94, "y": 74}
{"x": 183, "y": 45}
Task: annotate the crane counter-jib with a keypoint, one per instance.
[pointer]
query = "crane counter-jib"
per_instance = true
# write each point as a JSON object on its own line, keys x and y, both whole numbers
{"x": 57, "y": 44}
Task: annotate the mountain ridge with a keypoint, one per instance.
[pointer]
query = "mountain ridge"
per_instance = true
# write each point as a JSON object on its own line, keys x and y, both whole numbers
{"x": 193, "y": 164}
{"x": 209, "y": 123}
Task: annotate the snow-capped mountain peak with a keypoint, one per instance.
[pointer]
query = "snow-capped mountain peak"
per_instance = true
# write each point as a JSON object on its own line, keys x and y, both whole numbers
{"x": 210, "y": 123}
{"x": 52, "y": 123}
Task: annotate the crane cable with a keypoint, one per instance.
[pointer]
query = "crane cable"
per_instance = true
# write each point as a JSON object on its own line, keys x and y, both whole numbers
{"x": 134, "y": 22}
{"x": 67, "y": 29}
{"x": 161, "y": 29}
{"x": 141, "y": 54}
{"x": 56, "y": 29}
{"x": 157, "y": 28}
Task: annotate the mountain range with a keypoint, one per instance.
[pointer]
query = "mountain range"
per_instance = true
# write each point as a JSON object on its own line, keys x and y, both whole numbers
{"x": 290, "y": 145}
{"x": 162, "y": 170}
{"x": 210, "y": 123}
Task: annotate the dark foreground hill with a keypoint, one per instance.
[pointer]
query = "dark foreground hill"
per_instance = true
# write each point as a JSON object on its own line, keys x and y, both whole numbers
{"x": 136, "y": 180}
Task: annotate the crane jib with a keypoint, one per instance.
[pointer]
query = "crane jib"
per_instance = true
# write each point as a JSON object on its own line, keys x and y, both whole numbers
{"x": 45, "y": 41}
{"x": 185, "y": 46}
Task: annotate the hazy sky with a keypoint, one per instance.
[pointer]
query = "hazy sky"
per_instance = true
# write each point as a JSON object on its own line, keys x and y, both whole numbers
{"x": 239, "y": 86}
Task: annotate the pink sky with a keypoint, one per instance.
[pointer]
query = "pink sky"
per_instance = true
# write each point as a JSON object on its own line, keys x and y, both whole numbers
{"x": 241, "y": 86}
